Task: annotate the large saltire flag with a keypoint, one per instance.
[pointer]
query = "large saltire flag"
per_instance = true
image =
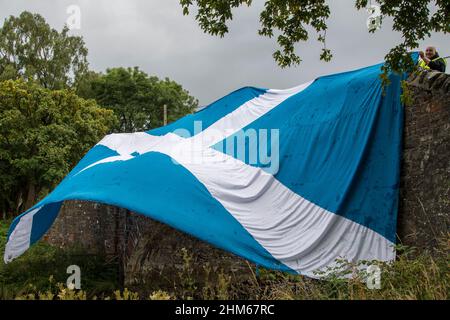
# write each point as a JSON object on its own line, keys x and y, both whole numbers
{"x": 289, "y": 179}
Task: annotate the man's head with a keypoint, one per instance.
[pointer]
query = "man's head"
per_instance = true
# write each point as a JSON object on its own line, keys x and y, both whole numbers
{"x": 430, "y": 52}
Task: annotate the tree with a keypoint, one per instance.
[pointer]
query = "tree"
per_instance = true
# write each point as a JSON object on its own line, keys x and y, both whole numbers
{"x": 137, "y": 99}
{"x": 290, "y": 18}
{"x": 83, "y": 87}
{"x": 43, "y": 134}
{"x": 32, "y": 50}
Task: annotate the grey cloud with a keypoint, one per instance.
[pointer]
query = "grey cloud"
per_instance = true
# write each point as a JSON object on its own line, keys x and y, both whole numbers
{"x": 154, "y": 35}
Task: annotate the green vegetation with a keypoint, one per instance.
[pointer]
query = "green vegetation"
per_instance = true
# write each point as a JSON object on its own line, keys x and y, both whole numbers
{"x": 43, "y": 134}
{"x": 137, "y": 99}
{"x": 53, "y": 109}
{"x": 41, "y": 274}
{"x": 291, "y": 21}
{"x": 414, "y": 275}
{"x": 43, "y": 269}
{"x": 32, "y": 50}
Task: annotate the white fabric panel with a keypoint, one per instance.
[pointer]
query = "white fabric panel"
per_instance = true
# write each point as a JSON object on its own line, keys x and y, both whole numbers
{"x": 19, "y": 240}
{"x": 125, "y": 144}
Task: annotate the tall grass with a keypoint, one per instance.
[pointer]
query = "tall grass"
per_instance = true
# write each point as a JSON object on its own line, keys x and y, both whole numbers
{"x": 41, "y": 273}
{"x": 43, "y": 267}
{"x": 413, "y": 276}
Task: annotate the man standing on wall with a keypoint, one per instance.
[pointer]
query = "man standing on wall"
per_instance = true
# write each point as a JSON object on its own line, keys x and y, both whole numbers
{"x": 430, "y": 60}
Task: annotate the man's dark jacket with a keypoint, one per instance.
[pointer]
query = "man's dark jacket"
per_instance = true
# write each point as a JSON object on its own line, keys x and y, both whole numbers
{"x": 437, "y": 64}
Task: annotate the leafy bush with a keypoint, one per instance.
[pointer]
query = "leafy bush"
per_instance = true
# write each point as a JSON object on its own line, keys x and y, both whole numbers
{"x": 43, "y": 134}
{"x": 43, "y": 268}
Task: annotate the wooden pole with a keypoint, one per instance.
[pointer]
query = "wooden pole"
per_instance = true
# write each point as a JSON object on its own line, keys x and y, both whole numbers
{"x": 165, "y": 115}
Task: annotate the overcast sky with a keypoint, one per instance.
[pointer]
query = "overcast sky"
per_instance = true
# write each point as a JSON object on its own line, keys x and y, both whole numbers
{"x": 154, "y": 35}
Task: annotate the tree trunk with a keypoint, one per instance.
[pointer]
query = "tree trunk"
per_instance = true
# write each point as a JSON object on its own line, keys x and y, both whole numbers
{"x": 31, "y": 196}
{"x": 18, "y": 204}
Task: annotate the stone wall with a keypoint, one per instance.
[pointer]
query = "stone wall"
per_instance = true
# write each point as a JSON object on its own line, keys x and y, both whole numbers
{"x": 424, "y": 208}
{"x": 156, "y": 257}
{"x": 150, "y": 252}
{"x": 97, "y": 227}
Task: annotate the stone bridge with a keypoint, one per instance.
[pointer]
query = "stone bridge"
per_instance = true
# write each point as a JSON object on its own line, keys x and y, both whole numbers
{"x": 149, "y": 251}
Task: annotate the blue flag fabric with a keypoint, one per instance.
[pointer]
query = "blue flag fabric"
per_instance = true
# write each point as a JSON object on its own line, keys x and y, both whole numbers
{"x": 289, "y": 179}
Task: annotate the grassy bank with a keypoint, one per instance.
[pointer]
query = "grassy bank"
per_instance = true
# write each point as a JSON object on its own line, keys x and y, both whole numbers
{"x": 42, "y": 267}
{"x": 41, "y": 274}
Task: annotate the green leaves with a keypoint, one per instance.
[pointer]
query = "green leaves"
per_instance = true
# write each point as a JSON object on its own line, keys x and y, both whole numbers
{"x": 138, "y": 100}
{"x": 213, "y": 15}
{"x": 415, "y": 22}
{"x": 44, "y": 128}
{"x": 32, "y": 50}
{"x": 43, "y": 134}
{"x": 289, "y": 19}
